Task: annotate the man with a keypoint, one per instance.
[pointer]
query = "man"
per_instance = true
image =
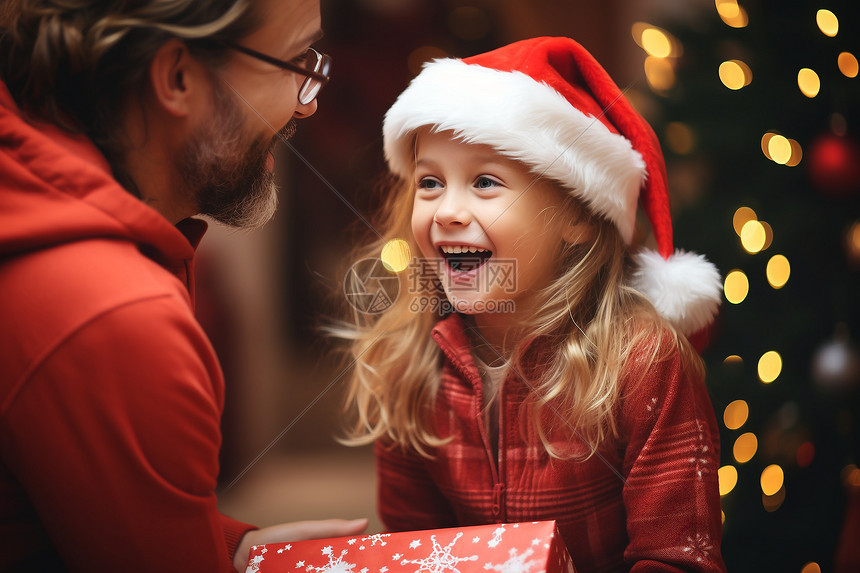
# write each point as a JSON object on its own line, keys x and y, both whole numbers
{"x": 119, "y": 121}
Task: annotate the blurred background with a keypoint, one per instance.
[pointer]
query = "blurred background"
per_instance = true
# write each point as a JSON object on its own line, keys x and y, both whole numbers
{"x": 756, "y": 104}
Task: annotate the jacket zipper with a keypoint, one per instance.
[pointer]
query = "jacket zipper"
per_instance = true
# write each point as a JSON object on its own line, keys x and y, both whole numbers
{"x": 498, "y": 509}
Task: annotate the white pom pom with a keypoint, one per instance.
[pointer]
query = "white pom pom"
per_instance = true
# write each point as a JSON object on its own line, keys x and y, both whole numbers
{"x": 686, "y": 288}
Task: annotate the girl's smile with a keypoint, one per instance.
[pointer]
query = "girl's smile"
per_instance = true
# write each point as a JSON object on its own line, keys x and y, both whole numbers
{"x": 476, "y": 210}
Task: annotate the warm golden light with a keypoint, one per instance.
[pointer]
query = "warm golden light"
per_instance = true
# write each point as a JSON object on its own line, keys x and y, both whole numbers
{"x": 796, "y": 154}
{"x": 773, "y": 502}
{"x": 679, "y": 138}
{"x": 396, "y": 255}
{"x": 736, "y": 287}
{"x": 732, "y": 14}
{"x": 827, "y": 22}
{"x": 772, "y": 478}
{"x": 848, "y": 65}
{"x": 808, "y": 82}
{"x": 765, "y": 142}
{"x": 779, "y": 149}
{"x": 735, "y": 74}
{"x": 778, "y": 271}
{"x": 768, "y": 235}
{"x": 852, "y": 240}
{"x": 769, "y": 366}
{"x": 659, "y": 73}
{"x": 728, "y": 478}
{"x": 656, "y": 43}
{"x": 811, "y": 567}
{"x": 753, "y": 236}
{"x": 733, "y": 359}
{"x": 847, "y": 475}
{"x": 745, "y": 447}
{"x": 735, "y": 415}
{"x": 740, "y": 218}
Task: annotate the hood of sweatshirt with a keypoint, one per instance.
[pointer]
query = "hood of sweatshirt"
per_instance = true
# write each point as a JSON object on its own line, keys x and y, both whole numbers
{"x": 56, "y": 187}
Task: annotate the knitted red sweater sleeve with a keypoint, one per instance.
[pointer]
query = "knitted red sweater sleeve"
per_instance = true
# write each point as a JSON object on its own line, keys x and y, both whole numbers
{"x": 671, "y": 493}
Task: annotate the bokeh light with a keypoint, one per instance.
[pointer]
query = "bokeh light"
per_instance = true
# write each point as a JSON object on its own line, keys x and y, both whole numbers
{"x": 805, "y": 454}
{"x": 753, "y": 236}
{"x": 396, "y": 255}
{"x": 765, "y": 143}
{"x": 779, "y": 149}
{"x": 731, "y": 13}
{"x": 745, "y": 447}
{"x": 852, "y": 242}
{"x": 735, "y": 74}
{"x": 733, "y": 359}
{"x": 827, "y": 22}
{"x": 728, "y": 478}
{"x": 768, "y": 235}
{"x": 773, "y": 502}
{"x": 850, "y": 475}
{"x": 811, "y": 567}
{"x": 736, "y": 287}
{"x": 808, "y": 82}
{"x": 769, "y": 366}
{"x": 796, "y": 154}
{"x": 656, "y": 43}
{"x": 778, "y": 271}
{"x": 659, "y": 73}
{"x": 680, "y": 138}
{"x": 772, "y": 478}
{"x": 848, "y": 65}
{"x": 735, "y": 415}
{"x": 741, "y": 216}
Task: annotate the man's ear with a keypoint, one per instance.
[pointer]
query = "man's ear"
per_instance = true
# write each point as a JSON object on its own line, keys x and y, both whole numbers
{"x": 173, "y": 74}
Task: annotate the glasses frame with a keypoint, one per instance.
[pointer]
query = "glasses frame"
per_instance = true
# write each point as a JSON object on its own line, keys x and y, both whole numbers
{"x": 321, "y": 77}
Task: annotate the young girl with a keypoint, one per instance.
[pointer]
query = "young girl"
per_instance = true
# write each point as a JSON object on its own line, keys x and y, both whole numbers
{"x": 533, "y": 367}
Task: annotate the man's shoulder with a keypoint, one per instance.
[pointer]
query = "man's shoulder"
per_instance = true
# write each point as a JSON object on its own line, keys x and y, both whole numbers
{"x": 47, "y": 294}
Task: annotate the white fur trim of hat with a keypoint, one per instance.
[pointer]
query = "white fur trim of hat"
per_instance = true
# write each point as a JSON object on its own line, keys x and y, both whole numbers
{"x": 548, "y": 103}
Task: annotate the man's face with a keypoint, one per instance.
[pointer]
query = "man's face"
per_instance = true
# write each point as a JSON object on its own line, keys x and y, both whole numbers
{"x": 227, "y": 162}
{"x": 228, "y": 170}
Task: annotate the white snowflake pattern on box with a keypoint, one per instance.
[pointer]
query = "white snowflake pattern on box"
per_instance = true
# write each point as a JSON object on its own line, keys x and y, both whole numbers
{"x": 501, "y": 548}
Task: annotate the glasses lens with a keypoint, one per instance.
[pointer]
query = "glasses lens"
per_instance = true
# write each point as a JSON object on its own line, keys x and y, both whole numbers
{"x": 317, "y": 63}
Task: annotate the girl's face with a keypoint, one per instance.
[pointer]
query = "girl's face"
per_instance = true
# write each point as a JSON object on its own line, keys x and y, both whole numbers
{"x": 488, "y": 227}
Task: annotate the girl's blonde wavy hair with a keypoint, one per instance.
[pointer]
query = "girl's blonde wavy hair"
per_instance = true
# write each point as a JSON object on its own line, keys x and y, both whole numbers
{"x": 76, "y": 63}
{"x": 596, "y": 324}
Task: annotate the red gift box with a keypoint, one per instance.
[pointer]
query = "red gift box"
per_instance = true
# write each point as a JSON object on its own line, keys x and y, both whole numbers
{"x": 502, "y": 548}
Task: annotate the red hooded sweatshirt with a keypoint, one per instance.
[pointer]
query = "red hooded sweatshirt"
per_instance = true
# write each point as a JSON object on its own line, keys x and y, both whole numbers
{"x": 110, "y": 392}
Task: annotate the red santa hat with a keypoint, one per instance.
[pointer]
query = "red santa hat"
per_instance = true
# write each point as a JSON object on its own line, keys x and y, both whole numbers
{"x": 549, "y": 104}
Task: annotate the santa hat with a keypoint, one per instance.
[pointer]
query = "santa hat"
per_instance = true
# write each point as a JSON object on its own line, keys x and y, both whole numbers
{"x": 549, "y": 104}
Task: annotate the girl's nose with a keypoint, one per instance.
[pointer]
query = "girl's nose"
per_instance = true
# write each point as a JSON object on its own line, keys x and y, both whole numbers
{"x": 452, "y": 211}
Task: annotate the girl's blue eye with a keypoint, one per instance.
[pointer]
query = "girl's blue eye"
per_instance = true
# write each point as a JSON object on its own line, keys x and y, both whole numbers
{"x": 484, "y": 182}
{"x": 429, "y": 183}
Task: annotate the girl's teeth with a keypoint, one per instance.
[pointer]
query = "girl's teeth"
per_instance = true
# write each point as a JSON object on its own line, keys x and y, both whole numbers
{"x": 459, "y": 249}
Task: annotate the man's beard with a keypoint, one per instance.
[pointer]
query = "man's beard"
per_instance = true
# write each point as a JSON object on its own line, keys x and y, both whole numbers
{"x": 226, "y": 173}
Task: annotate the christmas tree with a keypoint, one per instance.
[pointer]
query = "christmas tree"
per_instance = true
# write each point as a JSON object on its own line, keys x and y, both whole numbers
{"x": 757, "y": 109}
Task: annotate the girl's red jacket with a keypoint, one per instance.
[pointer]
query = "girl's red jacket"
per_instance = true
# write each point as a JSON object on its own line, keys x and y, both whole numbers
{"x": 648, "y": 501}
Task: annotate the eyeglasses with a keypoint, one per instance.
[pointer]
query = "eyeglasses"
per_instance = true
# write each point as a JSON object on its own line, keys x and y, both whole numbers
{"x": 312, "y": 64}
